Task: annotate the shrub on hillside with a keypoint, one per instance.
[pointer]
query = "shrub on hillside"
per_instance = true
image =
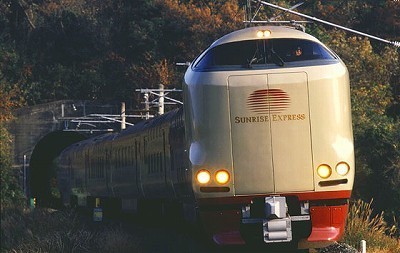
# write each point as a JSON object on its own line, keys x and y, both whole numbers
{"x": 11, "y": 193}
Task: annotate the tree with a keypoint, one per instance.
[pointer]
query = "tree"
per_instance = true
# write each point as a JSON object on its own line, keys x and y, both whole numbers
{"x": 11, "y": 192}
{"x": 376, "y": 128}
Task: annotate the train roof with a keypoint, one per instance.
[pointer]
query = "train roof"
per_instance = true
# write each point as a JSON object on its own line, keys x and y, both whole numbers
{"x": 78, "y": 146}
{"x": 143, "y": 125}
{"x": 275, "y": 32}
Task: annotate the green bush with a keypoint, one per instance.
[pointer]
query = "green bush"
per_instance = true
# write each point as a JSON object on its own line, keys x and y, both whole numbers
{"x": 11, "y": 193}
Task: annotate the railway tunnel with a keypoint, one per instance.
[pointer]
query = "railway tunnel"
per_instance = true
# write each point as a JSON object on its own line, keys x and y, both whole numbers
{"x": 42, "y": 176}
{"x": 40, "y": 132}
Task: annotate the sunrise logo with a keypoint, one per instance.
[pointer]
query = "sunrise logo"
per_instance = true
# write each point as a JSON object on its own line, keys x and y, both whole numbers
{"x": 268, "y": 101}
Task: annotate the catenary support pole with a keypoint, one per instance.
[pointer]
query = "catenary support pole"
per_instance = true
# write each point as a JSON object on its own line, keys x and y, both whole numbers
{"x": 161, "y": 100}
{"x": 123, "y": 116}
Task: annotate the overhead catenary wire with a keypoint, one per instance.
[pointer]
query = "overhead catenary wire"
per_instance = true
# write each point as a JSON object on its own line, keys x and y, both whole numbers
{"x": 394, "y": 43}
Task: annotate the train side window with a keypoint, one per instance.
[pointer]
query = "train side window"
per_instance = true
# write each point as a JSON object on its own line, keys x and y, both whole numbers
{"x": 125, "y": 157}
{"x": 154, "y": 163}
{"x": 161, "y": 162}
{"x": 122, "y": 162}
{"x": 150, "y": 163}
{"x": 119, "y": 158}
{"x": 132, "y": 155}
{"x": 158, "y": 162}
{"x": 115, "y": 158}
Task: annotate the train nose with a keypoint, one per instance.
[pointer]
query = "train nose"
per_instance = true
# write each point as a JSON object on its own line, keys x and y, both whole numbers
{"x": 270, "y": 117}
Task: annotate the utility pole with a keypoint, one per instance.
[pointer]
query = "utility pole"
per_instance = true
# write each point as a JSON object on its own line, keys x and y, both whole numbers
{"x": 25, "y": 177}
{"x": 161, "y": 100}
{"x": 248, "y": 11}
{"x": 146, "y": 105}
{"x": 123, "y": 116}
{"x": 161, "y": 95}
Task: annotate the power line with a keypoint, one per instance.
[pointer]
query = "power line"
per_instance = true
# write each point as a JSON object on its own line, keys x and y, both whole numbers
{"x": 394, "y": 43}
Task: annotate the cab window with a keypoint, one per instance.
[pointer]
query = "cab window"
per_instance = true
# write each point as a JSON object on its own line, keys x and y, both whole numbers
{"x": 251, "y": 53}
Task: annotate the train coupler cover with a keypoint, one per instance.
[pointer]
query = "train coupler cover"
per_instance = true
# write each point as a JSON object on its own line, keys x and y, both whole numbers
{"x": 271, "y": 218}
{"x": 277, "y": 230}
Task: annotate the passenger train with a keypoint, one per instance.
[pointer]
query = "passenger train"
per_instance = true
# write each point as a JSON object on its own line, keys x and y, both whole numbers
{"x": 260, "y": 153}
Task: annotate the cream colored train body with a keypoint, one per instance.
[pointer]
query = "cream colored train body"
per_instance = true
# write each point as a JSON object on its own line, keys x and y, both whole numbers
{"x": 280, "y": 125}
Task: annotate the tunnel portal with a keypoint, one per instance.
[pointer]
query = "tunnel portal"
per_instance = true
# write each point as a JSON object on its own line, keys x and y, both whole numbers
{"x": 42, "y": 176}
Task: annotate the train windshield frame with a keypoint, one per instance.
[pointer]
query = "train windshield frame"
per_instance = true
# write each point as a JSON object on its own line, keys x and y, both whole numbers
{"x": 265, "y": 53}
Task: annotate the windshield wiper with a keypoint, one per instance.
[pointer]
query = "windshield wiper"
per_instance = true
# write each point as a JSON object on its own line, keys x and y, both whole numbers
{"x": 254, "y": 58}
{"x": 277, "y": 59}
{"x": 250, "y": 63}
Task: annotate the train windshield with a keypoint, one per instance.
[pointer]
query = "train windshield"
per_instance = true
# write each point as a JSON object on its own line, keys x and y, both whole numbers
{"x": 263, "y": 53}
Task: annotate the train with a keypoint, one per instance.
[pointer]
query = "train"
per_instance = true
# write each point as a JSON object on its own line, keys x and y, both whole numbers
{"x": 260, "y": 153}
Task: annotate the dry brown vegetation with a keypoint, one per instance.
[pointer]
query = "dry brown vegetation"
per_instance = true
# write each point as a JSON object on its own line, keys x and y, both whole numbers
{"x": 362, "y": 224}
{"x": 47, "y": 230}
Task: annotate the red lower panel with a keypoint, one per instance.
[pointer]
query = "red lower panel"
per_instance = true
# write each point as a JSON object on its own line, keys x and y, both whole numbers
{"x": 223, "y": 226}
{"x": 229, "y": 238}
{"x": 328, "y": 222}
{"x": 303, "y": 196}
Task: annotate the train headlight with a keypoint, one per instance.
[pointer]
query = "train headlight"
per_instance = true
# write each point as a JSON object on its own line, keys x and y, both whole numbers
{"x": 203, "y": 176}
{"x": 324, "y": 171}
{"x": 342, "y": 168}
{"x": 263, "y": 33}
{"x": 222, "y": 176}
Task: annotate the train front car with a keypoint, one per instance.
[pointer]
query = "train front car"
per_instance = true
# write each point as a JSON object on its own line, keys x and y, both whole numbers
{"x": 270, "y": 138}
